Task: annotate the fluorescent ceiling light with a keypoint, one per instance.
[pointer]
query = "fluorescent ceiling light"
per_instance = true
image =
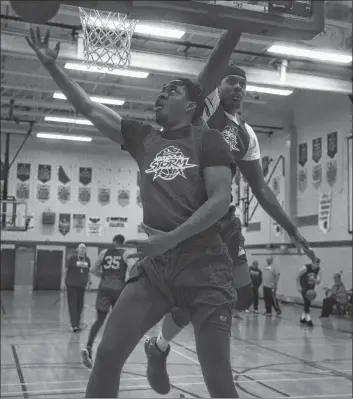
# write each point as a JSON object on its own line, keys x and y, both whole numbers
{"x": 102, "y": 100}
{"x": 269, "y": 90}
{"x": 121, "y": 72}
{"x": 63, "y": 137}
{"x": 67, "y": 120}
{"x": 318, "y": 55}
{"x": 143, "y": 29}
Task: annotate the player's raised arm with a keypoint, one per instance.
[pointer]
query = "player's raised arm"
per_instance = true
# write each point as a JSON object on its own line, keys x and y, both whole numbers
{"x": 107, "y": 121}
{"x": 216, "y": 65}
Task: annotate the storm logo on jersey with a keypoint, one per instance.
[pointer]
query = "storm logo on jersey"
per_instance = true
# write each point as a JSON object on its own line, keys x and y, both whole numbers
{"x": 169, "y": 163}
{"x": 230, "y": 135}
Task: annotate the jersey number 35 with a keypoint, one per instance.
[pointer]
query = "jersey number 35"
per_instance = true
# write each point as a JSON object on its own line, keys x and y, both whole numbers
{"x": 112, "y": 262}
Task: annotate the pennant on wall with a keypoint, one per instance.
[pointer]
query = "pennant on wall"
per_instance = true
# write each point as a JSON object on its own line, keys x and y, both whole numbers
{"x": 317, "y": 149}
{"x": 44, "y": 173}
{"x": 43, "y": 192}
{"x": 332, "y": 144}
{"x": 331, "y": 172}
{"x": 325, "y": 211}
{"x": 64, "y": 223}
{"x": 303, "y": 180}
{"x": 64, "y": 193}
{"x": 84, "y": 195}
{"x": 94, "y": 227}
{"x": 78, "y": 222}
{"x": 104, "y": 195}
{"x": 123, "y": 197}
{"x": 317, "y": 175}
{"x": 22, "y": 191}
{"x": 23, "y": 171}
{"x": 63, "y": 176}
{"x": 85, "y": 176}
{"x": 303, "y": 154}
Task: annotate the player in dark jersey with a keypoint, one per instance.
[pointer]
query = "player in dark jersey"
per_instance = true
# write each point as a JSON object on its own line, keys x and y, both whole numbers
{"x": 308, "y": 277}
{"x": 225, "y": 88}
{"x": 111, "y": 268}
{"x": 186, "y": 173}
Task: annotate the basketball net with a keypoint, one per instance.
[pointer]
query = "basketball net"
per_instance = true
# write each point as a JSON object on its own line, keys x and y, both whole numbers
{"x": 106, "y": 38}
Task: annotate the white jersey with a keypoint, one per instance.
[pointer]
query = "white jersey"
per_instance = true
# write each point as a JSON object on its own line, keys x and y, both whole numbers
{"x": 240, "y": 137}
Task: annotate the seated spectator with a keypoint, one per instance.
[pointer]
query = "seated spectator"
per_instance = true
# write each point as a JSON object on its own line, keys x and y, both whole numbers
{"x": 337, "y": 295}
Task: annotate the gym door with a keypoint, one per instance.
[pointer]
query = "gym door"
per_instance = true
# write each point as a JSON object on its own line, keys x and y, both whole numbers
{"x": 7, "y": 267}
{"x": 48, "y": 269}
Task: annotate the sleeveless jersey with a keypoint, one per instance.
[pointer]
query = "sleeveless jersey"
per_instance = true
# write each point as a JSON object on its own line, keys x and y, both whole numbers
{"x": 113, "y": 269}
{"x": 308, "y": 279}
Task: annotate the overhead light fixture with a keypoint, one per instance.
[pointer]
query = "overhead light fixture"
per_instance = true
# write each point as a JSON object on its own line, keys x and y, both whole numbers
{"x": 269, "y": 90}
{"x": 120, "y": 72}
{"x": 61, "y": 119}
{"x": 319, "y": 55}
{"x": 102, "y": 100}
{"x": 53, "y": 136}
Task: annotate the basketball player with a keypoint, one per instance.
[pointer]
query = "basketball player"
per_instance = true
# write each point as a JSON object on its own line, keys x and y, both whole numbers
{"x": 111, "y": 267}
{"x": 308, "y": 277}
{"x": 225, "y": 87}
{"x": 186, "y": 172}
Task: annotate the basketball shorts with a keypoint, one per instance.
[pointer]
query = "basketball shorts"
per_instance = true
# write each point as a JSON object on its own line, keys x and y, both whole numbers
{"x": 106, "y": 298}
{"x": 232, "y": 236}
{"x": 196, "y": 277}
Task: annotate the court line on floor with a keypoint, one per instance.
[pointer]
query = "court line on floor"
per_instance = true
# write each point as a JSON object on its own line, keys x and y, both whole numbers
{"x": 2, "y": 308}
{"x": 19, "y": 372}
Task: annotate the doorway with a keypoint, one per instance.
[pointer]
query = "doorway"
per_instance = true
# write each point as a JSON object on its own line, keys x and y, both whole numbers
{"x": 48, "y": 269}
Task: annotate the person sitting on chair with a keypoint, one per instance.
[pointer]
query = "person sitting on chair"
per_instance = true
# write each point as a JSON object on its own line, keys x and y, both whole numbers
{"x": 337, "y": 295}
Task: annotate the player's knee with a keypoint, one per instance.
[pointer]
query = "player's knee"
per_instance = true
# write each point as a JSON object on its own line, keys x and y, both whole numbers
{"x": 245, "y": 298}
{"x": 107, "y": 356}
{"x": 180, "y": 317}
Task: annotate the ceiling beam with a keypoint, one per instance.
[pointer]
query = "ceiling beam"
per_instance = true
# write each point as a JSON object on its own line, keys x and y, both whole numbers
{"x": 180, "y": 66}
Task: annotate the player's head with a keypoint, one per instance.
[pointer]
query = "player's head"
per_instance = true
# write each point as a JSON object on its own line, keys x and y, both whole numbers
{"x": 269, "y": 260}
{"x": 232, "y": 88}
{"x": 118, "y": 240}
{"x": 337, "y": 278}
{"x": 81, "y": 249}
{"x": 180, "y": 103}
{"x": 255, "y": 264}
{"x": 316, "y": 264}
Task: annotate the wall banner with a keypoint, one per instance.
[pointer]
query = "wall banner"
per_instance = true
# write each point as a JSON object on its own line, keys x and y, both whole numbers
{"x": 325, "y": 201}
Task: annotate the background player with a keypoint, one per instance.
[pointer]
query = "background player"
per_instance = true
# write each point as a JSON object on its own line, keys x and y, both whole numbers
{"x": 186, "y": 174}
{"x": 111, "y": 267}
{"x": 225, "y": 88}
{"x": 308, "y": 277}
{"x": 256, "y": 281}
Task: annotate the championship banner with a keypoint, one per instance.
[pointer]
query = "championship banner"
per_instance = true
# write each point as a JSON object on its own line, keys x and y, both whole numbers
{"x": 303, "y": 154}
{"x": 64, "y": 223}
{"x": 265, "y": 164}
{"x": 44, "y": 173}
{"x": 325, "y": 201}
{"x": 84, "y": 195}
{"x": 78, "y": 222}
{"x": 22, "y": 191}
{"x": 116, "y": 222}
{"x": 138, "y": 198}
{"x": 123, "y": 197}
{"x": 303, "y": 180}
{"x": 317, "y": 149}
{"x": 317, "y": 175}
{"x": 43, "y": 192}
{"x": 63, "y": 176}
{"x": 331, "y": 172}
{"x": 85, "y": 176}
{"x": 23, "y": 171}
{"x": 94, "y": 227}
{"x": 64, "y": 193}
{"x": 332, "y": 144}
{"x": 104, "y": 195}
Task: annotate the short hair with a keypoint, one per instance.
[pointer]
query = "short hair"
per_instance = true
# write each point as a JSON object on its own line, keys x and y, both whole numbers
{"x": 195, "y": 94}
{"x": 119, "y": 239}
{"x": 235, "y": 70}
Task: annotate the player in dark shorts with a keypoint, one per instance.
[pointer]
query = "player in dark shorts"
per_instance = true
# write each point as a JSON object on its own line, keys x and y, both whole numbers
{"x": 225, "y": 87}
{"x": 308, "y": 277}
{"x": 111, "y": 268}
{"x": 186, "y": 173}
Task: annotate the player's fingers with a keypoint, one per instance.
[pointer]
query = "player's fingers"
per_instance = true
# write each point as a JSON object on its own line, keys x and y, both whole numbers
{"x": 46, "y": 37}
{"x": 57, "y": 47}
{"x": 38, "y": 35}
{"x": 149, "y": 230}
{"x": 31, "y": 45}
{"x": 33, "y": 38}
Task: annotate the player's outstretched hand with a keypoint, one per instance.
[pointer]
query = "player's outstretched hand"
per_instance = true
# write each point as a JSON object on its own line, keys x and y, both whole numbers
{"x": 302, "y": 244}
{"x": 41, "y": 47}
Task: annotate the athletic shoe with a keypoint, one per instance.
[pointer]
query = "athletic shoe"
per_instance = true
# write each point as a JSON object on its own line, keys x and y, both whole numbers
{"x": 303, "y": 321}
{"x": 76, "y": 329}
{"x": 268, "y": 314}
{"x": 310, "y": 323}
{"x": 157, "y": 374}
{"x": 247, "y": 311}
{"x": 279, "y": 313}
{"x": 86, "y": 355}
{"x": 256, "y": 311}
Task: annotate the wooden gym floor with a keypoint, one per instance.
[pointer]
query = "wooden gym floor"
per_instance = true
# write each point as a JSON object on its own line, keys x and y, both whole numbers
{"x": 272, "y": 358}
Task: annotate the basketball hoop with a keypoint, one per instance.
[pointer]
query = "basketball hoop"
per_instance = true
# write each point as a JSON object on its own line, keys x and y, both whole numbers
{"x": 106, "y": 38}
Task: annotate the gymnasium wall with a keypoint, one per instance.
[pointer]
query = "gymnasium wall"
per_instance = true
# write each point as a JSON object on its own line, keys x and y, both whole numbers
{"x": 315, "y": 115}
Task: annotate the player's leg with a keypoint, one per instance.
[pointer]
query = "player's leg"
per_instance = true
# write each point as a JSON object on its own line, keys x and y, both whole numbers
{"x": 275, "y": 303}
{"x": 123, "y": 332}
{"x": 72, "y": 305}
{"x": 268, "y": 300}
{"x": 256, "y": 298}
{"x": 80, "y": 303}
{"x": 213, "y": 350}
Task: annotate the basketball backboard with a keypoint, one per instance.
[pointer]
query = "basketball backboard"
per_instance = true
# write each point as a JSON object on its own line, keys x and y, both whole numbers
{"x": 284, "y": 19}
{"x": 13, "y": 215}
